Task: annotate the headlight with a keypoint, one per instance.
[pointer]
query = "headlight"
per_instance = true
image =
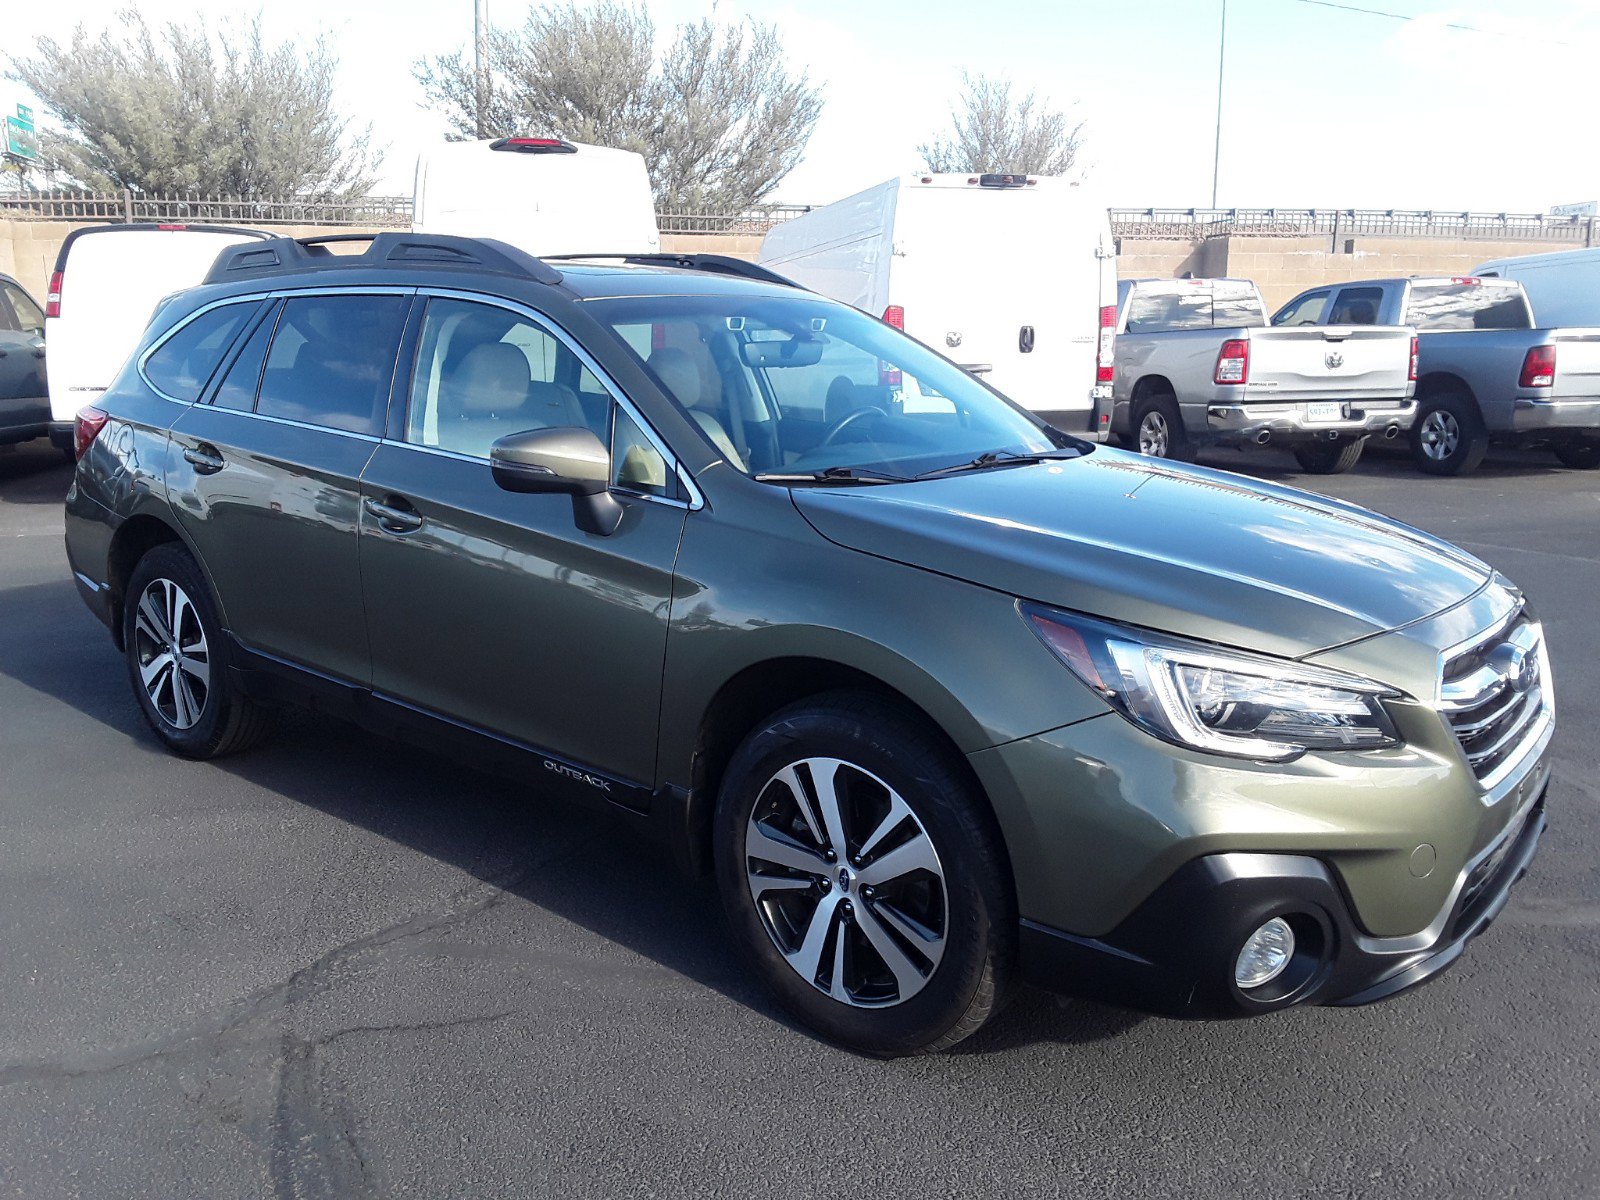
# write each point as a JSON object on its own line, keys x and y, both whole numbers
{"x": 1217, "y": 700}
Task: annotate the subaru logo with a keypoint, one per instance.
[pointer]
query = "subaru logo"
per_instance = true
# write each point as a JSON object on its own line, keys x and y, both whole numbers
{"x": 1335, "y": 360}
{"x": 844, "y": 882}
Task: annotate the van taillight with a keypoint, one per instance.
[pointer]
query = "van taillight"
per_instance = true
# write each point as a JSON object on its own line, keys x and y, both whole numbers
{"x": 86, "y": 428}
{"x": 1538, "y": 367}
{"x": 1412, "y": 376}
{"x": 895, "y": 317}
{"x": 1103, "y": 359}
{"x": 52, "y": 300}
{"x": 533, "y": 145}
{"x": 888, "y": 374}
{"x": 1233, "y": 362}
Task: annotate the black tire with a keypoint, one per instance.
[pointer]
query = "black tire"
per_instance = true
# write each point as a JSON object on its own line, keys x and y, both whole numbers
{"x": 1167, "y": 438}
{"x": 226, "y": 722}
{"x": 1448, "y": 437}
{"x": 1583, "y": 455}
{"x": 882, "y": 746}
{"x": 1329, "y": 458}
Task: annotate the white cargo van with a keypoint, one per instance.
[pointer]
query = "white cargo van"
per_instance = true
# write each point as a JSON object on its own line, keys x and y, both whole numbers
{"x": 108, "y": 280}
{"x": 543, "y": 195}
{"x": 1013, "y": 277}
{"x": 1563, "y": 287}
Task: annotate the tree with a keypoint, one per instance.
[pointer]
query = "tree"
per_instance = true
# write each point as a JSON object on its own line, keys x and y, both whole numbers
{"x": 718, "y": 117}
{"x": 991, "y": 131}
{"x": 178, "y": 110}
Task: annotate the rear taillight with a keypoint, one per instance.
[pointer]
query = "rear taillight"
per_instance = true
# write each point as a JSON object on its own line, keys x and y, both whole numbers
{"x": 889, "y": 375}
{"x": 1104, "y": 359}
{"x": 52, "y": 300}
{"x": 533, "y": 145}
{"x": 86, "y": 428}
{"x": 895, "y": 317}
{"x": 1233, "y": 362}
{"x": 1538, "y": 367}
{"x": 1411, "y": 373}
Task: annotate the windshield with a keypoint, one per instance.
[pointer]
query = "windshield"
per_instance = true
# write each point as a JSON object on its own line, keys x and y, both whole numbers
{"x": 1436, "y": 306}
{"x": 797, "y": 386}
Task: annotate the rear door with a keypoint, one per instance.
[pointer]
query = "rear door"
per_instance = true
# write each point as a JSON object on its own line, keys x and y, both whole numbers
{"x": 107, "y": 283}
{"x": 265, "y": 475}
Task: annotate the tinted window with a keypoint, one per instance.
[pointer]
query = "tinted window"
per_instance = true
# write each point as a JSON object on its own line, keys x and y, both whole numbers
{"x": 1434, "y": 306}
{"x": 238, "y": 389}
{"x": 1357, "y": 306}
{"x": 635, "y": 463}
{"x": 183, "y": 363}
{"x": 331, "y": 361}
{"x": 1152, "y": 312}
{"x": 1307, "y": 310}
{"x": 18, "y": 312}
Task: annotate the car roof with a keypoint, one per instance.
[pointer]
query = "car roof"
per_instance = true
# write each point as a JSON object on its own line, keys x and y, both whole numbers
{"x": 593, "y": 281}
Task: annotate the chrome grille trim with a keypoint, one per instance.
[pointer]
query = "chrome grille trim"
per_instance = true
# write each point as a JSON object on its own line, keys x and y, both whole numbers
{"x": 1495, "y": 692}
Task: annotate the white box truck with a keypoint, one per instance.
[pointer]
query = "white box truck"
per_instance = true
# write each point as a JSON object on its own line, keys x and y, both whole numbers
{"x": 1012, "y": 277}
{"x": 1563, "y": 286}
{"x": 541, "y": 194}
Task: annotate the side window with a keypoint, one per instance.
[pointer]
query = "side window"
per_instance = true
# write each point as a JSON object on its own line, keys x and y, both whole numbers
{"x": 1152, "y": 312}
{"x": 483, "y": 372}
{"x": 25, "y": 315}
{"x": 635, "y": 463}
{"x": 1307, "y": 310}
{"x": 182, "y": 364}
{"x": 1356, "y": 306}
{"x": 331, "y": 361}
{"x": 238, "y": 388}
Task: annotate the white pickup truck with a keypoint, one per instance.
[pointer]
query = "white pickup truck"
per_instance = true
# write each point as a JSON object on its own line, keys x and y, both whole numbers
{"x": 1196, "y": 363}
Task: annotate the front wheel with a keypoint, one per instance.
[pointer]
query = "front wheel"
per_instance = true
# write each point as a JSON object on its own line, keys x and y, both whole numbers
{"x": 1329, "y": 458}
{"x": 864, "y": 877}
{"x": 1581, "y": 455}
{"x": 1449, "y": 437}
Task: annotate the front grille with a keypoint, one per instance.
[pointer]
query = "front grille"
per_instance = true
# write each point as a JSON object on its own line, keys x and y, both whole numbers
{"x": 1494, "y": 694}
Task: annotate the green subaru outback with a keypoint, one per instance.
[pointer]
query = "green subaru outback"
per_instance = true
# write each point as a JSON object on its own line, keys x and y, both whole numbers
{"x": 945, "y": 698}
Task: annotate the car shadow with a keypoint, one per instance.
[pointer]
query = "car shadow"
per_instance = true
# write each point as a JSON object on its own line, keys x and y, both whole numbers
{"x": 1389, "y": 460}
{"x": 33, "y": 473}
{"x": 589, "y": 868}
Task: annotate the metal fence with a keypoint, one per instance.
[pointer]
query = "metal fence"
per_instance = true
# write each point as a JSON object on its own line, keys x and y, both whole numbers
{"x": 754, "y": 221}
{"x": 130, "y": 206}
{"x": 1193, "y": 224}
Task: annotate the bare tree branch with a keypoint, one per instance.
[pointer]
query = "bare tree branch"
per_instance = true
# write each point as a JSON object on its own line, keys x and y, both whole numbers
{"x": 992, "y": 131}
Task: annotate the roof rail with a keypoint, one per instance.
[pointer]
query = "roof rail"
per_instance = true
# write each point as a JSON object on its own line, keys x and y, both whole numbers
{"x": 281, "y": 255}
{"x": 719, "y": 264}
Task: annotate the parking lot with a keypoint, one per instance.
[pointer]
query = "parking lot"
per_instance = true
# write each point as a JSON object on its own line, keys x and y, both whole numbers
{"x": 337, "y": 966}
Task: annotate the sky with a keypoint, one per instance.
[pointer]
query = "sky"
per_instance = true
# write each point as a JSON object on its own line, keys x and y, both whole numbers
{"x": 1321, "y": 106}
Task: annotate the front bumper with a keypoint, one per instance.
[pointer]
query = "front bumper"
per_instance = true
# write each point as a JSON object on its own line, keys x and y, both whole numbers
{"x": 1175, "y": 953}
{"x": 1291, "y": 422}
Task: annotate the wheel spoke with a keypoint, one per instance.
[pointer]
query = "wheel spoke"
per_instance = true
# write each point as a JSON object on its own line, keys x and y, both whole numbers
{"x": 906, "y": 974}
{"x": 761, "y": 884}
{"x": 151, "y": 619}
{"x": 791, "y": 780}
{"x": 903, "y": 859}
{"x": 197, "y": 669}
{"x": 898, "y": 812}
{"x": 824, "y": 777}
{"x": 838, "y": 990}
{"x": 931, "y": 943}
{"x": 767, "y": 844}
{"x": 151, "y": 672}
{"x": 808, "y": 957}
{"x": 184, "y": 707}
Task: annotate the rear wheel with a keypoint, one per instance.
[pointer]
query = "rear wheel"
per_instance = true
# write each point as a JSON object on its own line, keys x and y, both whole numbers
{"x": 1158, "y": 430}
{"x": 177, "y": 660}
{"x": 864, "y": 877}
{"x": 1329, "y": 458}
{"x": 1449, "y": 437}
{"x": 1581, "y": 455}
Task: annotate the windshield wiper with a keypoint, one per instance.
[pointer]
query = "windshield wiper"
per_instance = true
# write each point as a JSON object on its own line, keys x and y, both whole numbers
{"x": 834, "y": 475}
{"x": 1000, "y": 458}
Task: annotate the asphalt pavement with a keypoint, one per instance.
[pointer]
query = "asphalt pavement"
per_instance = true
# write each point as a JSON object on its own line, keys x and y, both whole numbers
{"x": 338, "y": 966}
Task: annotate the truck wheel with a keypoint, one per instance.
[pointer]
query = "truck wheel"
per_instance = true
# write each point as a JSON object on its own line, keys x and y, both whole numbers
{"x": 1448, "y": 437}
{"x": 177, "y": 660}
{"x": 1581, "y": 455}
{"x": 1329, "y": 458}
{"x": 1158, "y": 430}
{"x": 864, "y": 878}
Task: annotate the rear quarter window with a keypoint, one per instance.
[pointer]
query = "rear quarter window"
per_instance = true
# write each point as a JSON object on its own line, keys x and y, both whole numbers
{"x": 1456, "y": 306}
{"x": 180, "y": 366}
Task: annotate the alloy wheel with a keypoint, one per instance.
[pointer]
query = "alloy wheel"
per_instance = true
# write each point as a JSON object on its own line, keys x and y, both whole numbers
{"x": 174, "y": 660}
{"x": 847, "y": 882}
{"x": 1440, "y": 434}
{"x": 1154, "y": 436}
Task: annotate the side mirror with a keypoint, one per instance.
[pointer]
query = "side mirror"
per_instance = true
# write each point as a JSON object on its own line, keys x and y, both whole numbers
{"x": 570, "y": 460}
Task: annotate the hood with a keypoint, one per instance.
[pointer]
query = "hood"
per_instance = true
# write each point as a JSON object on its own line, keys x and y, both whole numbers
{"x": 1186, "y": 550}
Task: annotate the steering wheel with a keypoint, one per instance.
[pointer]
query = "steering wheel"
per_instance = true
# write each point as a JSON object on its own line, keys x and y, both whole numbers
{"x": 849, "y": 419}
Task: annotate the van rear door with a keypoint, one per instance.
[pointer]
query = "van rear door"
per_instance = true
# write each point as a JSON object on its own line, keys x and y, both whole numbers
{"x": 1007, "y": 277}
{"x": 108, "y": 280}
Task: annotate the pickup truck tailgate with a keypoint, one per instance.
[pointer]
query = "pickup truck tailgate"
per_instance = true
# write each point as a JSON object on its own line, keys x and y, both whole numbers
{"x": 1333, "y": 362}
{"x": 1577, "y": 364}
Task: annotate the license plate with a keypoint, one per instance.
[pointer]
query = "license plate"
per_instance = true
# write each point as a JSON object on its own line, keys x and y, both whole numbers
{"x": 1330, "y": 410}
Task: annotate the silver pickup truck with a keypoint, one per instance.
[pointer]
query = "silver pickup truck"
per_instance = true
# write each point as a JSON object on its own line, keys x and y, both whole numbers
{"x": 1485, "y": 372}
{"x": 1196, "y": 363}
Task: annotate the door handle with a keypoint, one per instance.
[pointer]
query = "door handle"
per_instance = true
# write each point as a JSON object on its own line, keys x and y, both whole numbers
{"x": 1025, "y": 339}
{"x": 394, "y": 514}
{"x": 204, "y": 459}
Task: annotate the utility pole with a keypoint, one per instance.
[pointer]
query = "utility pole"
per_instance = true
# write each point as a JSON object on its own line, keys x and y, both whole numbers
{"x": 1216, "y": 154}
{"x": 480, "y": 42}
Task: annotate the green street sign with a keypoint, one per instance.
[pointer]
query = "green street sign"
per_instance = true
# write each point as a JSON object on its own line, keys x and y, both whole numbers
{"x": 25, "y": 115}
{"x": 21, "y": 140}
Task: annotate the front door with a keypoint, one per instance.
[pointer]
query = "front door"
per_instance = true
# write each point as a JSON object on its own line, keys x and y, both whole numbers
{"x": 493, "y": 608}
{"x": 23, "y": 400}
{"x": 264, "y": 474}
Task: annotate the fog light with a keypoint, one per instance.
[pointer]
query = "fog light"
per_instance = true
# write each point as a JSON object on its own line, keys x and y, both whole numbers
{"x": 1265, "y": 954}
